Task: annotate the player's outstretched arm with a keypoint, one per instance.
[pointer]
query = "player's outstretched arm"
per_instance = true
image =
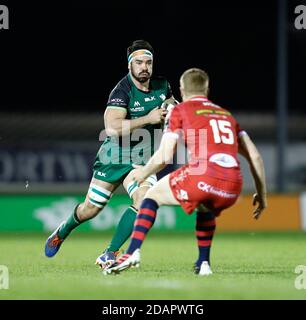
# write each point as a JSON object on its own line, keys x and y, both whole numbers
{"x": 117, "y": 125}
{"x": 248, "y": 149}
{"x": 162, "y": 157}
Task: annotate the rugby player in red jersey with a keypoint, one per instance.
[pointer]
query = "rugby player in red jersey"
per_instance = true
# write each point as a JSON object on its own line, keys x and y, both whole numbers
{"x": 209, "y": 183}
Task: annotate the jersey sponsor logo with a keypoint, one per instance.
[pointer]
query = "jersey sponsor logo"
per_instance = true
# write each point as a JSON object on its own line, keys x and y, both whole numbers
{"x": 163, "y": 97}
{"x": 148, "y": 99}
{"x": 203, "y": 186}
{"x": 136, "y": 104}
{"x": 209, "y": 111}
{"x": 137, "y": 109}
{"x": 117, "y": 100}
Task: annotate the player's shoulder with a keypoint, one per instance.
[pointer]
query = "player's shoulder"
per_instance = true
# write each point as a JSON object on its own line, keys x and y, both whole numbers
{"x": 187, "y": 104}
{"x": 159, "y": 82}
{"x": 203, "y": 106}
{"x": 119, "y": 96}
{"x": 217, "y": 107}
{"x": 179, "y": 109}
{"x": 222, "y": 111}
{"x": 123, "y": 85}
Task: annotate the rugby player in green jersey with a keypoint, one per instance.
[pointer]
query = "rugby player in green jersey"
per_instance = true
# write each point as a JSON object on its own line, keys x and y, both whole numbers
{"x": 133, "y": 111}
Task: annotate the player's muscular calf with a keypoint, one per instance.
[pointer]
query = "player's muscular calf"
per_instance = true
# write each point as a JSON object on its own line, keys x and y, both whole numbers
{"x": 87, "y": 211}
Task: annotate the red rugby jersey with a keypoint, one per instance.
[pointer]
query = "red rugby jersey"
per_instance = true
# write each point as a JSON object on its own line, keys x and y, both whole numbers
{"x": 209, "y": 131}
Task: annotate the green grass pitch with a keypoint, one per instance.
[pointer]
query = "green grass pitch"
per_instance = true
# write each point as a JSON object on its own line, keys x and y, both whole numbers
{"x": 245, "y": 265}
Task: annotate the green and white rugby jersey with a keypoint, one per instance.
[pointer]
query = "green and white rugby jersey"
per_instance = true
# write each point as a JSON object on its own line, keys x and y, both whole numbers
{"x": 139, "y": 145}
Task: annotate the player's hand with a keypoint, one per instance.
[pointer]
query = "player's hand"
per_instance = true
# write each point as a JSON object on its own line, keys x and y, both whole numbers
{"x": 156, "y": 116}
{"x": 261, "y": 202}
{"x": 138, "y": 175}
{"x": 169, "y": 104}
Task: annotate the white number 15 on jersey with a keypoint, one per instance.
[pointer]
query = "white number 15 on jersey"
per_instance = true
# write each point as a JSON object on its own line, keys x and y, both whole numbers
{"x": 222, "y": 131}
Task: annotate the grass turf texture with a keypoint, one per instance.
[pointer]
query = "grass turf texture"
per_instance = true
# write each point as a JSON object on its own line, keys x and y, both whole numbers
{"x": 245, "y": 265}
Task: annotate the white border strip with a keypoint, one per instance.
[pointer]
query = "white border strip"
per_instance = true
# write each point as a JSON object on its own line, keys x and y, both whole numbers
{"x": 303, "y": 210}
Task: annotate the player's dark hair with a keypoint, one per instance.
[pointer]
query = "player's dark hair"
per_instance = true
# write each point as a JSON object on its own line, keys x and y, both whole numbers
{"x": 138, "y": 45}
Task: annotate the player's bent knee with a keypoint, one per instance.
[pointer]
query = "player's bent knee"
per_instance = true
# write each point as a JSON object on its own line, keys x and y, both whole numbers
{"x": 96, "y": 200}
{"x": 151, "y": 193}
{"x": 138, "y": 196}
{"x": 161, "y": 193}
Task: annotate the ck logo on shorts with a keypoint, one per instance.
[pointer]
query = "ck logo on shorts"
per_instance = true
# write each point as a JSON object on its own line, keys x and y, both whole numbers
{"x": 210, "y": 189}
{"x": 300, "y": 281}
{"x": 4, "y": 277}
{"x": 204, "y": 186}
{"x": 4, "y": 17}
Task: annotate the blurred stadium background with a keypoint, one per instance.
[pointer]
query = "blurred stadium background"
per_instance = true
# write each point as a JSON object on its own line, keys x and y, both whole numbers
{"x": 59, "y": 64}
{"x": 59, "y": 70}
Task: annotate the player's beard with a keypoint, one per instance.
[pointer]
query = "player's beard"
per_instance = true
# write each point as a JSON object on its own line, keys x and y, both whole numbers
{"x": 142, "y": 77}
